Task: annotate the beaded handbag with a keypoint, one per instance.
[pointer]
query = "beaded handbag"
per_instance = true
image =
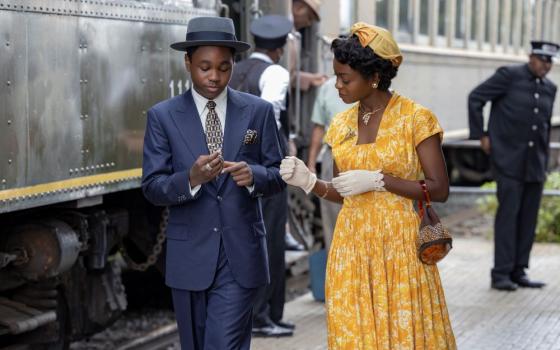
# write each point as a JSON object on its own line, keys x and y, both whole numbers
{"x": 434, "y": 240}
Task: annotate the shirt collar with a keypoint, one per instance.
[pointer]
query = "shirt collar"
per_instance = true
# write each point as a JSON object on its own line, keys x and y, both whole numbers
{"x": 261, "y": 56}
{"x": 201, "y": 101}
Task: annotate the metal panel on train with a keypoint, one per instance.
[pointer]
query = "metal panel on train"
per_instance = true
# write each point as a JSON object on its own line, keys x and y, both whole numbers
{"x": 77, "y": 78}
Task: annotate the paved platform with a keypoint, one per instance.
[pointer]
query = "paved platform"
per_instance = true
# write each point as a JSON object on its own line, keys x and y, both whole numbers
{"x": 482, "y": 319}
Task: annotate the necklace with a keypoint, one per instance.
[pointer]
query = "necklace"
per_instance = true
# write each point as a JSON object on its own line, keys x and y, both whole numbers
{"x": 367, "y": 116}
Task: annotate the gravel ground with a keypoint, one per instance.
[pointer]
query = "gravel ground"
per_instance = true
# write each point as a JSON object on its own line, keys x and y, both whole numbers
{"x": 133, "y": 324}
{"x": 460, "y": 210}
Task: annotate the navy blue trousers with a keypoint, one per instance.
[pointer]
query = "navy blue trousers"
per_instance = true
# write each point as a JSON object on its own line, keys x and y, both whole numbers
{"x": 218, "y": 318}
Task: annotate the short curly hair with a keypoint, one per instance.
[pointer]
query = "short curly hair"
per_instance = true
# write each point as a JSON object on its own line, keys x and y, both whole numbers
{"x": 362, "y": 59}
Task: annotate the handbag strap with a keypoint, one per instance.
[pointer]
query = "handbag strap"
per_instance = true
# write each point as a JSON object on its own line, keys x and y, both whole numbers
{"x": 426, "y": 198}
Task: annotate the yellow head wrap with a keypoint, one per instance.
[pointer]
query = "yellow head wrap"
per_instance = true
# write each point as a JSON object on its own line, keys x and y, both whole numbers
{"x": 379, "y": 40}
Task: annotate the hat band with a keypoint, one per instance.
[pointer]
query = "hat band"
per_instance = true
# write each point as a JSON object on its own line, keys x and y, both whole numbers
{"x": 209, "y": 35}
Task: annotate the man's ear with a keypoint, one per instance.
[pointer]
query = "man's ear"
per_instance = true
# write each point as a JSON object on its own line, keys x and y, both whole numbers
{"x": 187, "y": 63}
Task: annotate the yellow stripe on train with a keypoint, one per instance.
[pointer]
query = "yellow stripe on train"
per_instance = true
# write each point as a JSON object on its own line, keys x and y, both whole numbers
{"x": 68, "y": 184}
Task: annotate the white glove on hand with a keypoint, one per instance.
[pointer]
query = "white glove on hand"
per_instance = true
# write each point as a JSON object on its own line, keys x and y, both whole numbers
{"x": 353, "y": 182}
{"x": 294, "y": 172}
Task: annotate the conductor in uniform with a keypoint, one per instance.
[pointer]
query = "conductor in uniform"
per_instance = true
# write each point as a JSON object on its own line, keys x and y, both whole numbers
{"x": 261, "y": 75}
{"x": 517, "y": 140}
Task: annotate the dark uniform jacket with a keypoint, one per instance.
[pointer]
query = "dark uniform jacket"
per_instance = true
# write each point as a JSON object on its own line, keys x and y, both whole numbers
{"x": 245, "y": 78}
{"x": 519, "y": 125}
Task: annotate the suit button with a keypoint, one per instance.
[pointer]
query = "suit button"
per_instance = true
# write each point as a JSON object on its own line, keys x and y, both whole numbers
{"x": 538, "y": 80}
{"x": 531, "y": 143}
{"x": 537, "y": 96}
{"x": 219, "y": 198}
{"x": 536, "y": 110}
{"x": 534, "y": 127}
{"x": 216, "y": 229}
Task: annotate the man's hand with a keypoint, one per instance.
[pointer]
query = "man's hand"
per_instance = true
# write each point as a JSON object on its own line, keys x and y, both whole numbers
{"x": 240, "y": 172}
{"x": 206, "y": 168}
{"x": 485, "y": 144}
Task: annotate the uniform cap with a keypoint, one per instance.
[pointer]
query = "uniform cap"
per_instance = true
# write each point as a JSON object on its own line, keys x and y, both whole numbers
{"x": 545, "y": 48}
{"x": 271, "y": 31}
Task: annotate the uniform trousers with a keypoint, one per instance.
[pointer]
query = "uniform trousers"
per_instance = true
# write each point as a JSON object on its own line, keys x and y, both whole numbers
{"x": 514, "y": 227}
{"x": 218, "y": 318}
{"x": 271, "y": 298}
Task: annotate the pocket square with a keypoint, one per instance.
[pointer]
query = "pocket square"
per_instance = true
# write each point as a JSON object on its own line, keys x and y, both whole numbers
{"x": 250, "y": 137}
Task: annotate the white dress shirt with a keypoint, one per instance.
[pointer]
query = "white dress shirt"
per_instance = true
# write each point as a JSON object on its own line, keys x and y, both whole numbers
{"x": 273, "y": 83}
{"x": 221, "y": 110}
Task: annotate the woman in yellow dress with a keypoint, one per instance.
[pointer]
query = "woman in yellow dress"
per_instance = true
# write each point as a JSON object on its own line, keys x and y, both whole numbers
{"x": 379, "y": 295}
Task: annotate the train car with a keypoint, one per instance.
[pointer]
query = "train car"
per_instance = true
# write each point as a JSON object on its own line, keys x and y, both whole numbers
{"x": 77, "y": 78}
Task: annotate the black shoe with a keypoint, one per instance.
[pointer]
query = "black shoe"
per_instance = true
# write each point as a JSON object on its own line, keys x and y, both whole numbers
{"x": 292, "y": 244}
{"x": 525, "y": 282}
{"x": 271, "y": 331}
{"x": 505, "y": 284}
{"x": 287, "y": 325}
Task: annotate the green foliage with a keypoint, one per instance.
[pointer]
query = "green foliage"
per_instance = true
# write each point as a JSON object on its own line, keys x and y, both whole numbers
{"x": 548, "y": 225}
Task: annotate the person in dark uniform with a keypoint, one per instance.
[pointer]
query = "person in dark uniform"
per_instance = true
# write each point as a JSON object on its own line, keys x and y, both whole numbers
{"x": 261, "y": 75}
{"x": 517, "y": 140}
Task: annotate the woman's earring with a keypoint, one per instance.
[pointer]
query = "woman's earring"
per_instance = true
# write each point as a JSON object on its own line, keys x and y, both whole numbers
{"x": 374, "y": 85}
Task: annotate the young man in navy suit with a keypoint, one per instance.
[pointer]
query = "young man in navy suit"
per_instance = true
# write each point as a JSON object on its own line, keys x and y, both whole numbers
{"x": 210, "y": 154}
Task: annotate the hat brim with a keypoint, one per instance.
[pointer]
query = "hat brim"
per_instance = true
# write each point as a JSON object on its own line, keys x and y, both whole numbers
{"x": 239, "y": 46}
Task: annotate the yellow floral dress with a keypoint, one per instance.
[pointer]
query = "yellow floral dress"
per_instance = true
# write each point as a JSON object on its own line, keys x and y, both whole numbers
{"x": 379, "y": 295}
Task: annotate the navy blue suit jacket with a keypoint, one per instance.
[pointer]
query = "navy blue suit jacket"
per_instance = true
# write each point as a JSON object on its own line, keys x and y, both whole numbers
{"x": 173, "y": 141}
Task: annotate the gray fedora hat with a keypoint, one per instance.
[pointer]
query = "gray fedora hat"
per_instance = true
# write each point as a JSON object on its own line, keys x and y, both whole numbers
{"x": 211, "y": 31}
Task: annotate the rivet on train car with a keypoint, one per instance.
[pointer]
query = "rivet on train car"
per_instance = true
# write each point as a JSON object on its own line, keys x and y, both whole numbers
{"x": 107, "y": 165}
{"x": 161, "y": 80}
{"x": 8, "y": 83}
{"x": 143, "y": 80}
{"x": 71, "y": 171}
{"x": 82, "y": 151}
{"x": 97, "y": 166}
{"x": 87, "y": 168}
{"x": 3, "y": 181}
{"x": 7, "y": 43}
{"x": 86, "y": 116}
{"x": 112, "y": 164}
{"x": 143, "y": 48}
{"x": 9, "y": 122}
{"x": 76, "y": 170}
{"x": 87, "y": 150}
{"x": 9, "y": 161}
{"x": 85, "y": 81}
{"x": 82, "y": 169}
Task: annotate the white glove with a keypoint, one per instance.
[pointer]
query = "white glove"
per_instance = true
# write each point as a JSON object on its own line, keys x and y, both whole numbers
{"x": 294, "y": 172}
{"x": 353, "y": 182}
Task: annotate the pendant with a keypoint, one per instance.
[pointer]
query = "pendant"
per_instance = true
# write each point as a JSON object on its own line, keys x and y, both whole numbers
{"x": 365, "y": 117}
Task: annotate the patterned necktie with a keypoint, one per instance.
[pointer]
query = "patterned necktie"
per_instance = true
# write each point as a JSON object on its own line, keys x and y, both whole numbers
{"x": 214, "y": 135}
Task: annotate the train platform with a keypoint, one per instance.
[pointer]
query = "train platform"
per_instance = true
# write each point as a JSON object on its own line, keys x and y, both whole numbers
{"x": 482, "y": 318}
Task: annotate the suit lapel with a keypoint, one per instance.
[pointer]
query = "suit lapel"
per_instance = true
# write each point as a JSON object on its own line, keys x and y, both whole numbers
{"x": 187, "y": 120}
{"x": 237, "y": 121}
